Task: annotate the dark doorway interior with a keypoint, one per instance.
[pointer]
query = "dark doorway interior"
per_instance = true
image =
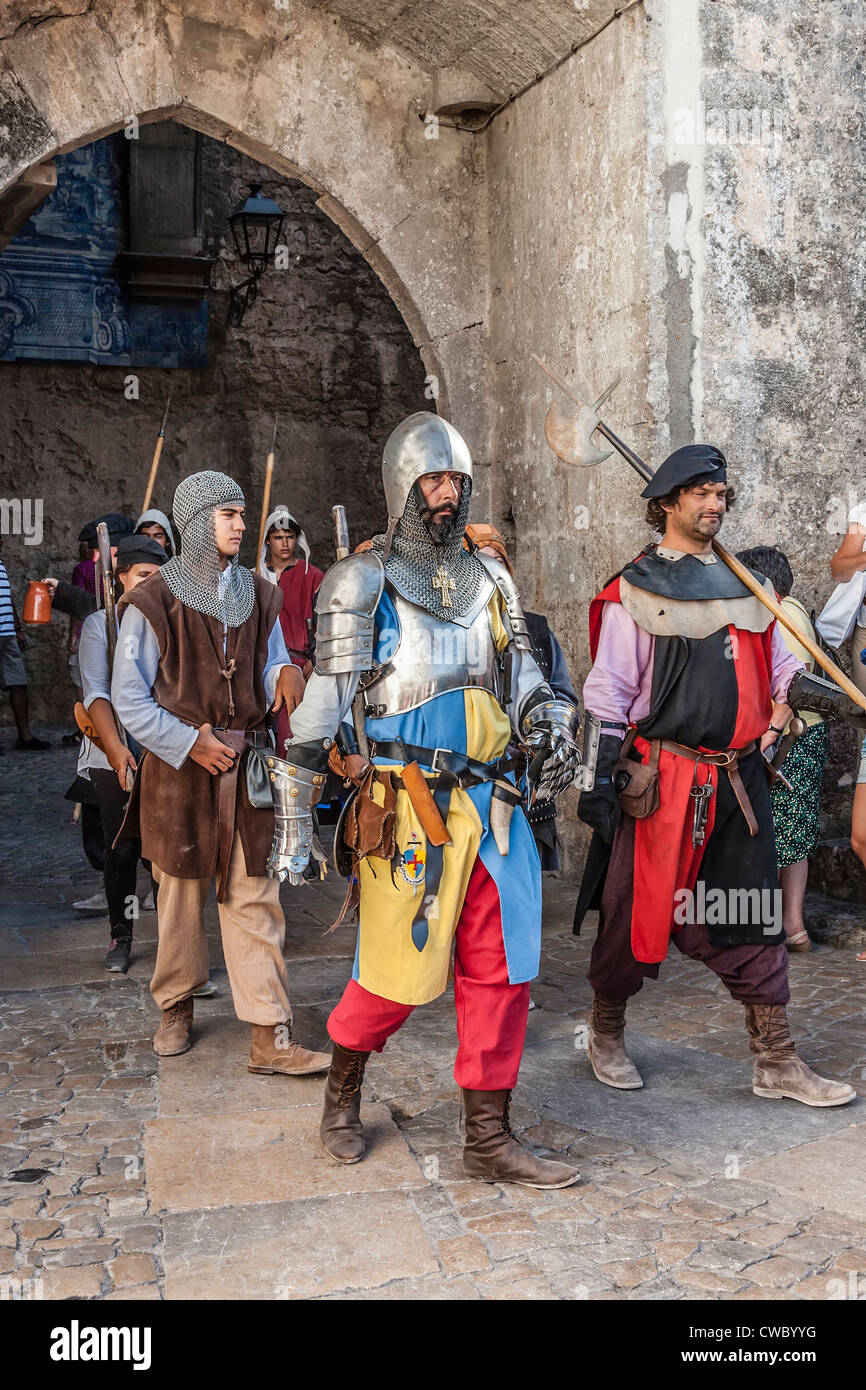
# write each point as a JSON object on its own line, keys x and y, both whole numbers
{"x": 85, "y": 367}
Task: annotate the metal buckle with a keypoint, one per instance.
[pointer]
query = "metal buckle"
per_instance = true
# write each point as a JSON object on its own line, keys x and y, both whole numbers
{"x": 434, "y": 765}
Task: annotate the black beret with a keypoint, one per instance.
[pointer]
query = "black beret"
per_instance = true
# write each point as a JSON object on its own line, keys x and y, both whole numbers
{"x": 118, "y": 527}
{"x": 139, "y": 550}
{"x": 693, "y": 463}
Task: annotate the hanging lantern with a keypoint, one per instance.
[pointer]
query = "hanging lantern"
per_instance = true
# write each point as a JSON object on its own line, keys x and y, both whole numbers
{"x": 256, "y": 225}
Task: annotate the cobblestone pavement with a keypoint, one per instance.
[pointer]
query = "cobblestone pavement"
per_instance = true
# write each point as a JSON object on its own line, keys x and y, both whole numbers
{"x": 196, "y": 1179}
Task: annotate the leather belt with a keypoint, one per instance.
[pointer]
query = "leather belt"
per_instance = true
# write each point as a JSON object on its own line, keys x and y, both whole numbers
{"x": 227, "y": 791}
{"x": 465, "y": 771}
{"x": 449, "y": 770}
{"x": 727, "y": 761}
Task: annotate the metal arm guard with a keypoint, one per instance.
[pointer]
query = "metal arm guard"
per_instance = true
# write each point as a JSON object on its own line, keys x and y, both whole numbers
{"x": 295, "y": 790}
{"x": 591, "y": 740}
{"x": 551, "y": 727}
{"x": 504, "y": 582}
{"x": 346, "y": 607}
{"x": 823, "y": 697}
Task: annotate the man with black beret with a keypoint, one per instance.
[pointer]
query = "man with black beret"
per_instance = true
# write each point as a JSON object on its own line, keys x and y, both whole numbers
{"x": 690, "y": 683}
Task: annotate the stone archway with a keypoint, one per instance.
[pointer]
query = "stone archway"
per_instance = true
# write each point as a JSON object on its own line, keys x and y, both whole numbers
{"x": 303, "y": 95}
{"x": 324, "y": 359}
{"x": 296, "y": 90}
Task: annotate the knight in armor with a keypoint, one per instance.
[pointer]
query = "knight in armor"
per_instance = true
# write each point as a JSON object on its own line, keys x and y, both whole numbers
{"x": 425, "y": 641}
{"x": 200, "y": 659}
{"x": 691, "y": 681}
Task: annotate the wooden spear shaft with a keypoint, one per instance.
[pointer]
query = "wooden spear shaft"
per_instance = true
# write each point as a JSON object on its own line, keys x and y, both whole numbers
{"x": 266, "y": 500}
{"x": 157, "y": 454}
{"x": 745, "y": 576}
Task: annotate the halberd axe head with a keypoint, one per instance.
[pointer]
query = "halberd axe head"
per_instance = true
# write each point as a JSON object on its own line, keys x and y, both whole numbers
{"x": 569, "y": 434}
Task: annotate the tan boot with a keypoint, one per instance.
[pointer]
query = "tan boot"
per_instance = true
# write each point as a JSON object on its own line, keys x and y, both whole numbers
{"x": 273, "y": 1049}
{"x": 341, "y": 1131}
{"x": 606, "y": 1048}
{"x": 779, "y": 1072}
{"x": 492, "y": 1153}
{"x": 173, "y": 1034}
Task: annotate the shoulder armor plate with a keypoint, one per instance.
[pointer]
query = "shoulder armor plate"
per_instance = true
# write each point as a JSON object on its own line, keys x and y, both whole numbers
{"x": 504, "y": 582}
{"x": 346, "y": 607}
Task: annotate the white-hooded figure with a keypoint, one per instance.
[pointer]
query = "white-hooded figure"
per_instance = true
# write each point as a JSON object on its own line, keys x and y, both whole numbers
{"x": 154, "y": 517}
{"x": 281, "y": 519}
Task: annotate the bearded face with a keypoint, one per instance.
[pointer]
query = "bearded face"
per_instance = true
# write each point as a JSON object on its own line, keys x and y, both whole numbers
{"x": 439, "y": 505}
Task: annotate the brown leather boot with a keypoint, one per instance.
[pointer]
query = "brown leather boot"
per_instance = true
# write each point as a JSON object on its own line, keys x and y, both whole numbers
{"x": 273, "y": 1049}
{"x": 606, "y": 1048}
{"x": 173, "y": 1034}
{"x": 341, "y": 1131}
{"x": 779, "y": 1071}
{"x": 492, "y": 1153}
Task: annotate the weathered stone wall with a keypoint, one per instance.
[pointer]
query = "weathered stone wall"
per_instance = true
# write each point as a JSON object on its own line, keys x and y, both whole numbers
{"x": 756, "y": 251}
{"x": 785, "y": 294}
{"x": 568, "y": 281}
{"x": 324, "y": 348}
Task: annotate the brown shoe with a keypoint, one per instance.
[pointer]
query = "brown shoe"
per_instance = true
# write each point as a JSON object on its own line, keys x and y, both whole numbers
{"x": 606, "y": 1048}
{"x": 273, "y": 1049}
{"x": 492, "y": 1153}
{"x": 173, "y": 1034}
{"x": 341, "y": 1131}
{"x": 779, "y": 1072}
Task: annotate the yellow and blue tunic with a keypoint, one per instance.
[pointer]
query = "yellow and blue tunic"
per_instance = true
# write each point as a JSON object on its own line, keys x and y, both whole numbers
{"x": 387, "y": 959}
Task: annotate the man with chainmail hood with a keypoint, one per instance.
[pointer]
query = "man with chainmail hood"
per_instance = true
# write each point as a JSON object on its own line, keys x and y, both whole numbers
{"x": 200, "y": 659}
{"x": 426, "y": 644}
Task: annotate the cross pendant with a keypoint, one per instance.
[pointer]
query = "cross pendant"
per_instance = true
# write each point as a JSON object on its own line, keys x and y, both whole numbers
{"x": 445, "y": 584}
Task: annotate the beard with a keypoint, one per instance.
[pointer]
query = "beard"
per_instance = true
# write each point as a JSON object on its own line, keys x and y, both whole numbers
{"x": 444, "y": 528}
{"x": 705, "y": 527}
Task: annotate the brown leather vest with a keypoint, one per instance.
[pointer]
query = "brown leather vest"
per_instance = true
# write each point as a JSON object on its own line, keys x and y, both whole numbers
{"x": 175, "y": 810}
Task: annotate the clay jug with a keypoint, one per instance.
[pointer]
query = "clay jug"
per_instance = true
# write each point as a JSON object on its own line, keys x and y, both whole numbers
{"x": 37, "y": 603}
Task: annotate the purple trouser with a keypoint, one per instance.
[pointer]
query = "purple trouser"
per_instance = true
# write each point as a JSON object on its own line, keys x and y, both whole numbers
{"x": 752, "y": 974}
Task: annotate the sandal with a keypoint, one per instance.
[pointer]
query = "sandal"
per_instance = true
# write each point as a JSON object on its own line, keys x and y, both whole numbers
{"x": 801, "y": 942}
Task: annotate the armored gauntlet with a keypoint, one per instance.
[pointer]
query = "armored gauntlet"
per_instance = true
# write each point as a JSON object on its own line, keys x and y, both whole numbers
{"x": 296, "y": 787}
{"x": 599, "y": 807}
{"x": 824, "y": 697}
{"x": 550, "y": 729}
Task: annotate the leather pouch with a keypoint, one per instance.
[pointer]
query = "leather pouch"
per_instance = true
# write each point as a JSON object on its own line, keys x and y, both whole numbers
{"x": 637, "y": 784}
{"x": 369, "y": 827}
{"x": 258, "y": 783}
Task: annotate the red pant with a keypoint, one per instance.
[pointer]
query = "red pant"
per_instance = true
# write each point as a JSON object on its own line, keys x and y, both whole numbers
{"x": 491, "y": 1013}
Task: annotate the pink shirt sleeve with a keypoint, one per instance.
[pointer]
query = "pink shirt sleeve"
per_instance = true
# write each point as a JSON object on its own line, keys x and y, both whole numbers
{"x": 785, "y": 666}
{"x": 619, "y": 685}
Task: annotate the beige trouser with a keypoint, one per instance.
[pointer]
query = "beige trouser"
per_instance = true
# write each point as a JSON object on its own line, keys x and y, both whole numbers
{"x": 253, "y": 929}
{"x": 858, "y": 670}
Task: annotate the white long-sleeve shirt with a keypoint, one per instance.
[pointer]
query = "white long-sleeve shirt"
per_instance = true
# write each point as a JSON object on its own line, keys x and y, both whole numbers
{"x": 93, "y": 664}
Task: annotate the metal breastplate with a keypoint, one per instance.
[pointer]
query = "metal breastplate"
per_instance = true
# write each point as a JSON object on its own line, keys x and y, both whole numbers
{"x": 427, "y": 657}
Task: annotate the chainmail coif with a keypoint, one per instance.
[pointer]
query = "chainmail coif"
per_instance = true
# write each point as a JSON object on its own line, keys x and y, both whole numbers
{"x": 415, "y": 558}
{"x": 193, "y": 576}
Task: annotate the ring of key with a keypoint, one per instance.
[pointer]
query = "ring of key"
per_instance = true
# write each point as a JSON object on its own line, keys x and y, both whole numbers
{"x": 701, "y": 792}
